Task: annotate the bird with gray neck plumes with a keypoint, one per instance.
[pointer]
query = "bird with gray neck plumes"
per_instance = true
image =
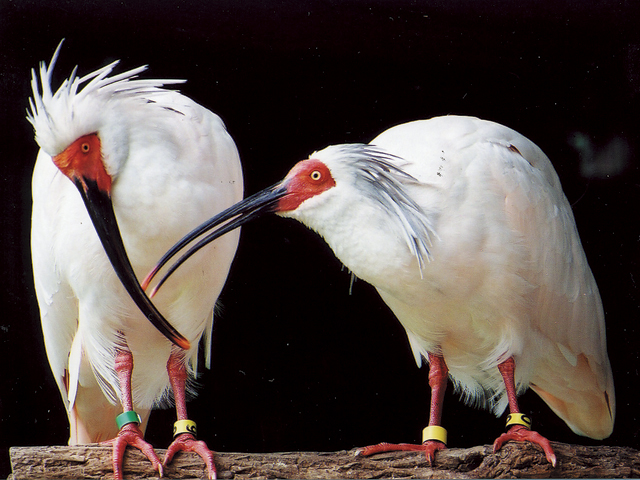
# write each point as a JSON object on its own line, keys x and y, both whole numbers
{"x": 463, "y": 228}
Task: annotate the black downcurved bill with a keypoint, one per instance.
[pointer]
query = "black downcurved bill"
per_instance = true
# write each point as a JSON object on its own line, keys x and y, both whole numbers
{"x": 242, "y": 212}
{"x": 100, "y": 208}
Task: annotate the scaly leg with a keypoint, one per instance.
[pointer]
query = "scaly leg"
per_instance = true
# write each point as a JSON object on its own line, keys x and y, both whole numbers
{"x": 438, "y": 373}
{"x": 185, "y": 441}
{"x": 519, "y": 433}
{"x": 130, "y": 434}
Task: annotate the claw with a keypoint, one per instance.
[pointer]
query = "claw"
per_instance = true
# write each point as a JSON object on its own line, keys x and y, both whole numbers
{"x": 131, "y": 434}
{"x": 519, "y": 433}
{"x": 187, "y": 443}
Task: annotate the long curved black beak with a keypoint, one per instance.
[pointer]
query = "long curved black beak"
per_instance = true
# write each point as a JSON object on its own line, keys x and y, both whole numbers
{"x": 242, "y": 212}
{"x": 100, "y": 208}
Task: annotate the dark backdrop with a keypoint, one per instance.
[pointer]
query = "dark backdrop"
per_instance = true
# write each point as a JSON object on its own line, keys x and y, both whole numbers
{"x": 298, "y": 363}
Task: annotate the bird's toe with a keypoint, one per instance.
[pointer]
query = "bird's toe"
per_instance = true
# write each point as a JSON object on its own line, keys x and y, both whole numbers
{"x": 131, "y": 434}
{"x": 429, "y": 448}
{"x": 519, "y": 433}
{"x": 186, "y": 442}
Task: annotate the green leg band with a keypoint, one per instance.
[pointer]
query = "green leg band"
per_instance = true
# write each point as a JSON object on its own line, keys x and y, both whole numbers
{"x": 127, "y": 418}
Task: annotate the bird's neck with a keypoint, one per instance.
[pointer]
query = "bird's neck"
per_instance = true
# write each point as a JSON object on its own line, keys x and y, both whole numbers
{"x": 365, "y": 240}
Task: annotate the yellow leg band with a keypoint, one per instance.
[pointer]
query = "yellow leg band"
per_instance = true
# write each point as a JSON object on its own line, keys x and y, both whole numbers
{"x": 519, "y": 419}
{"x": 434, "y": 432}
{"x": 184, "y": 426}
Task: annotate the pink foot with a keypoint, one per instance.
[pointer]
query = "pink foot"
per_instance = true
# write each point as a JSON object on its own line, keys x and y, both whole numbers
{"x": 520, "y": 433}
{"x": 187, "y": 443}
{"x": 430, "y": 447}
{"x": 130, "y": 434}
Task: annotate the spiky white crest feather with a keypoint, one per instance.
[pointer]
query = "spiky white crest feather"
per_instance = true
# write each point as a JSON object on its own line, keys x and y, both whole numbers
{"x": 81, "y": 105}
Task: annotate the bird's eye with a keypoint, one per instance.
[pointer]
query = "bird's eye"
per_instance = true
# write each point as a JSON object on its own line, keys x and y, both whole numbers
{"x": 85, "y": 147}
{"x": 316, "y": 175}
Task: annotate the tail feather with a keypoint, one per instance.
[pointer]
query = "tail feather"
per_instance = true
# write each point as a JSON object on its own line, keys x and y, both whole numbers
{"x": 582, "y": 394}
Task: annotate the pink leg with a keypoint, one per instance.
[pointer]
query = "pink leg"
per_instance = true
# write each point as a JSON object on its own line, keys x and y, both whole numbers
{"x": 438, "y": 373}
{"x": 129, "y": 434}
{"x": 519, "y": 433}
{"x": 185, "y": 441}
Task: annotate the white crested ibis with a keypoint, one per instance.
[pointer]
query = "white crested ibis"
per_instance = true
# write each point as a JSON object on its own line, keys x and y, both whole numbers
{"x": 463, "y": 228}
{"x": 125, "y": 169}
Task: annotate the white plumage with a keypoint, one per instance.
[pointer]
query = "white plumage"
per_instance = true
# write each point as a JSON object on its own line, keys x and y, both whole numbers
{"x": 462, "y": 227}
{"x": 507, "y": 276}
{"x": 172, "y": 164}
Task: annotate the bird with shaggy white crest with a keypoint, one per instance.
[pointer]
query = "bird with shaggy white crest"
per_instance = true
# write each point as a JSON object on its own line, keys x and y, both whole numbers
{"x": 126, "y": 167}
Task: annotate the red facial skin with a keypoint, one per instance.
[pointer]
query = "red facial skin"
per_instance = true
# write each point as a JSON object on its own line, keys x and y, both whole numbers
{"x": 307, "y": 179}
{"x": 83, "y": 159}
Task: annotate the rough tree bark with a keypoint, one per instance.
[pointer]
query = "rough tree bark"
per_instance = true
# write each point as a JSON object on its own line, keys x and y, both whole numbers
{"x": 515, "y": 460}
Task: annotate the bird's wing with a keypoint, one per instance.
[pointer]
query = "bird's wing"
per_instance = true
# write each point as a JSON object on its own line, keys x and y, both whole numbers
{"x": 202, "y": 175}
{"x": 573, "y": 374}
{"x": 57, "y": 302}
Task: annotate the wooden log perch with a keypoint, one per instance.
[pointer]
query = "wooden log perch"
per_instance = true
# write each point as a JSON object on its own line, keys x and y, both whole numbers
{"x": 515, "y": 460}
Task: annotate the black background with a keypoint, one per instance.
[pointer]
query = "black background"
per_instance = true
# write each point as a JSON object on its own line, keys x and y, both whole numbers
{"x": 298, "y": 363}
